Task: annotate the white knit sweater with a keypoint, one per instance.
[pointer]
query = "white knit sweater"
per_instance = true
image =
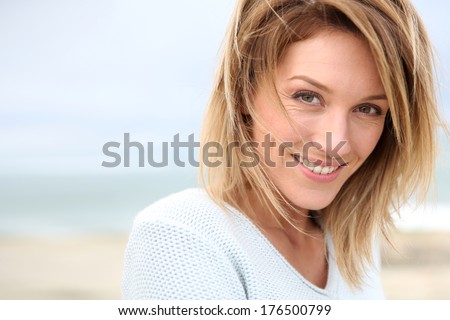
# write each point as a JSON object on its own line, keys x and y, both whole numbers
{"x": 186, "y": 247}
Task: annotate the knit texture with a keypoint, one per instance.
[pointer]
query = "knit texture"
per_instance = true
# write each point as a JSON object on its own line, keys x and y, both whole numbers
{"x": 186, "y": 247}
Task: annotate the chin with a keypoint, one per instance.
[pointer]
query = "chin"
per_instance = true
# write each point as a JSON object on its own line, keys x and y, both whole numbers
{"x": 313, "y": 202}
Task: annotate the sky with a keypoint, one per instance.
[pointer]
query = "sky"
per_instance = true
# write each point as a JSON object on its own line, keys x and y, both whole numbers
{"x": 75, "y": 74}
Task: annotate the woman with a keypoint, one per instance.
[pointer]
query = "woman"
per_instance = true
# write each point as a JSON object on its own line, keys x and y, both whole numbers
{"x": 321, "y": 122}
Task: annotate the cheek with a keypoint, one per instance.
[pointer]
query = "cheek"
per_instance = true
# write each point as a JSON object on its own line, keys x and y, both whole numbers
{"x": 272, "y": 121}
{"x": 366, "y": 140}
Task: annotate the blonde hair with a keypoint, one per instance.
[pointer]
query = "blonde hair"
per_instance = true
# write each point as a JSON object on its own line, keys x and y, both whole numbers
{"x": 403, "y": 160}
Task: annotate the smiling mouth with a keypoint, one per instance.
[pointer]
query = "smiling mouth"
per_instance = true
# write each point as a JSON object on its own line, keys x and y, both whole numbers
{"x": 313, "y": 167}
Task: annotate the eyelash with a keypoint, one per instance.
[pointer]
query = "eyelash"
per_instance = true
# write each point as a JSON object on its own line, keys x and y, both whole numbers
{"x": 298, "y": 95}
{"x": 376, "y": 113}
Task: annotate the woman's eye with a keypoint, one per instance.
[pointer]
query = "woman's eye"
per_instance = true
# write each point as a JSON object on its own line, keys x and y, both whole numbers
{"x": 369, "y": 110}
{"x": 307, "y": 97}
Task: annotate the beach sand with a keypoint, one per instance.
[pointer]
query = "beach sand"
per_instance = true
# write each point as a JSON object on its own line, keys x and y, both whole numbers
{"x": 421, "y": 267}
{"x": 84, "y": 267}
{"x": 90, "y": 267}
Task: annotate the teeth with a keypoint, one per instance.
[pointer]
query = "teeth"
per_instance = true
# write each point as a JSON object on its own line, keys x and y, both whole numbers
{"x": 318, "y": 169}
{"x": 325, "y": 170}
{"x": 315, "y": 168}
{"x": 310, "y": 165}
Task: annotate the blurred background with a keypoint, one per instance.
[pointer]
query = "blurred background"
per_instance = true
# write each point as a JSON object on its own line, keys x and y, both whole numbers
{"x": 76, "y": 74}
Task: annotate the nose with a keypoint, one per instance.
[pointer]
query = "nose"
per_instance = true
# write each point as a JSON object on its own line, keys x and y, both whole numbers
{"x": 334, "y": 137}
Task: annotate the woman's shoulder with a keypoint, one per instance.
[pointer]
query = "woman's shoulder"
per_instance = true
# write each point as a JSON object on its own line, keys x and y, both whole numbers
{"x": 176, "y": 251}
{"x": 189, "y": 209}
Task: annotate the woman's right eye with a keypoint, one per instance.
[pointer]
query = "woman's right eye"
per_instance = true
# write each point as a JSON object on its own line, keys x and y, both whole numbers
{"x": 307, "y": 97}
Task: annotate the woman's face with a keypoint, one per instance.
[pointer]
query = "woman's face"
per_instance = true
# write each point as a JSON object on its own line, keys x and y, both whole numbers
{"x": 331, "y": 91}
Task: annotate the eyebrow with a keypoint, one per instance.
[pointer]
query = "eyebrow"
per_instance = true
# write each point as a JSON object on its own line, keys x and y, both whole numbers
{"x": 328, "y": 90}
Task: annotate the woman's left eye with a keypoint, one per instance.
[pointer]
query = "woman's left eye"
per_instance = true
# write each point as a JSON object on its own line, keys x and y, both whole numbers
{"x": 368, "y": 109}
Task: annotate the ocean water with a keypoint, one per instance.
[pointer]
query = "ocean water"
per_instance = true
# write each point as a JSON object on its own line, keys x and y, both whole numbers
{"x": 91, "y": 203}
{"x": 108, "y": 202}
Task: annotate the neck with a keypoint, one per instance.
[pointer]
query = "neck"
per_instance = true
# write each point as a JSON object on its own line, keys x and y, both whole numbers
{"x": 267, "y": 217}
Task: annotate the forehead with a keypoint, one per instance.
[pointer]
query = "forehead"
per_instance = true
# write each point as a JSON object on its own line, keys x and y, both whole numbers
{"x": 334, "y": 57}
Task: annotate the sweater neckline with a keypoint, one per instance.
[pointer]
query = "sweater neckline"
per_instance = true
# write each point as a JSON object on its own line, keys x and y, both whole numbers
{"x": 326, "y": 291}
